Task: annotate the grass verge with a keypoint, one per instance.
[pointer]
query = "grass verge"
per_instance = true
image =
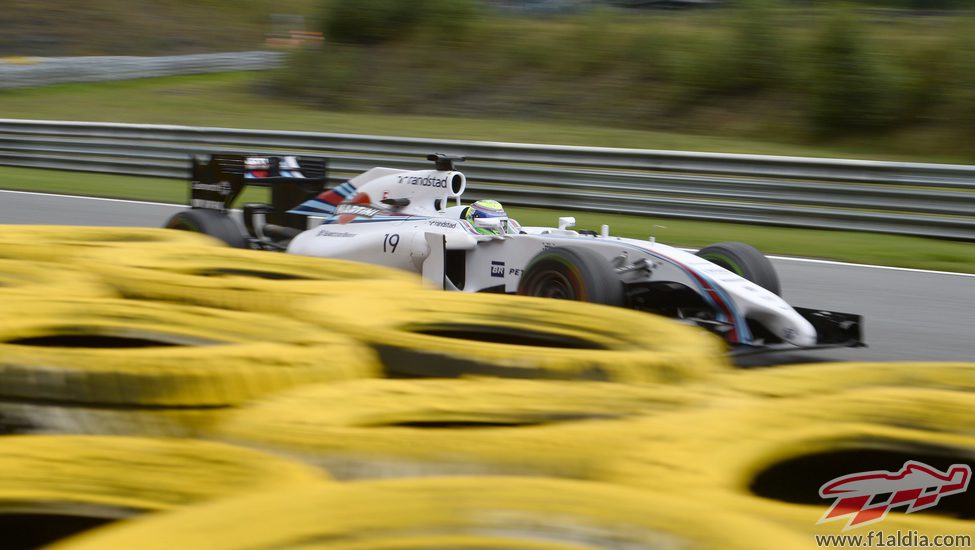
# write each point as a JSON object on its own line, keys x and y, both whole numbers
{"x": 231, "y": 100}
{"x": 869, "y": 248}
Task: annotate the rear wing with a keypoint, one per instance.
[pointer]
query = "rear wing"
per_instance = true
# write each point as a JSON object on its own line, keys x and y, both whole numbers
{"x": 218, "y": 180}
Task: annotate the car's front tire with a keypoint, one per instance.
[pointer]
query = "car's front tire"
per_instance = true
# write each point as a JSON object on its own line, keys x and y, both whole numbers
{"x": 572, "y": 274}
{"x": 744, "y": 260}
{"x": 209, "y": 222}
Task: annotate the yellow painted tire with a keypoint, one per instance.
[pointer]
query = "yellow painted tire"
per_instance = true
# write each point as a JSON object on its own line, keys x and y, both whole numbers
{"x": 24, "y": 417}
{"x": 150, "y": 353}
{"x": 390, "y": 428}
{"x": 769, "y": 458}
{"x": 461, "y": 512}
{"x": 243, "y": 279}
{"x": 134, "y": 473}
{"x": 53, "y": 486}
{"x": 59, "y": 243}
{"x": 449, "y": 334}
{"x": 19, "y": 277}
{"x": 823, "y": 378}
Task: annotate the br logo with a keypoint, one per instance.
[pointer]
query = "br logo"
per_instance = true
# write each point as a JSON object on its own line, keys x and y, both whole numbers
{"x": 864, "y": 498}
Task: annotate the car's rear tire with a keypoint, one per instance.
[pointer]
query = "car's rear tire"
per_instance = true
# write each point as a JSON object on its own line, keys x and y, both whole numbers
{"x": 744, "y": 260}
{"x": 209, "y": 222}
{"x": 572, "y": 274}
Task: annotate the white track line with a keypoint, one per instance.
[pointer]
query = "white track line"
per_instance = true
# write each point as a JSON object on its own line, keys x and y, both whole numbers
{"x": 867, "y": 266}
{"x": 784, "y": 258}
{"x": 87, "y": 198}
{"x": 908, "y": 269}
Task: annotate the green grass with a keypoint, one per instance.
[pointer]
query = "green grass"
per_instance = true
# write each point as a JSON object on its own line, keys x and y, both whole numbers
{"x": 229, "y": 100}
{"x": 105, "y": 185}
{"x": 93, "y": 185}
{"x": 856, "y": 247}
{"x": 758, "y": 70}
{"x": 124, "y": 27}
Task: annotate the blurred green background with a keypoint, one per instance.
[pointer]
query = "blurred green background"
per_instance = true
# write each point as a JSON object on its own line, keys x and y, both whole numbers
{"x": 879, "y": 79}
{"x": 887, "y": 78}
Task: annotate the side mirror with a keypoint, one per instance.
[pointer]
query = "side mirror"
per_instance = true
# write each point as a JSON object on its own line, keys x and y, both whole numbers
{"x": 566, "y": 222}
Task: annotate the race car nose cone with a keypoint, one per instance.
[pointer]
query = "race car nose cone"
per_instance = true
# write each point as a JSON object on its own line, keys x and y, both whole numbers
{"x": 800, "y": 336}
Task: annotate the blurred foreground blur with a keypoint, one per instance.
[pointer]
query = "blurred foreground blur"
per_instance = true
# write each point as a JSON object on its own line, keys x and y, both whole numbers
{"x": 230, "y": 402}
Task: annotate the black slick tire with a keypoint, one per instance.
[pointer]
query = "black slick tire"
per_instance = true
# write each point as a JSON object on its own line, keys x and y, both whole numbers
{"x": 745, "y": 261}
{"x": 572, "y": 274}
{"x": 215, "y": 224}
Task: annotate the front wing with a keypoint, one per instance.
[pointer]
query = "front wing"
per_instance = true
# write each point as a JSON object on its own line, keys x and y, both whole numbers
{"x": 833, "y": 330}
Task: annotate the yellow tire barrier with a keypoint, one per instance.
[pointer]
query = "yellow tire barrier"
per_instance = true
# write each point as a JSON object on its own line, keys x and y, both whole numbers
{"x": 822, "y": 378}
{"x": 150, "y": 353}
{"x": 134, "y": 473}
{"x": 769, "y": 458}
{"x": 37, "y": 418}
{"x": 19, "y": 277}
{"x": 60, "y": 243}
{"x": 449, "y": 334}
{"x": 242, "y": 279}
{"x": 462, "y": 512}
{"x": 385, "y": 428}
{"x": 56, "y": 485}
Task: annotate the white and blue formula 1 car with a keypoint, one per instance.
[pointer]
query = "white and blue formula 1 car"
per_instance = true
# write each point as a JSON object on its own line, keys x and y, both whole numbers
{"x": 413, "y": 220}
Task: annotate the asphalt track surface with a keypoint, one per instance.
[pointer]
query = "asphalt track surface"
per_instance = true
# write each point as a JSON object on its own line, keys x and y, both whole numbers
{"x": 909, "y": 315}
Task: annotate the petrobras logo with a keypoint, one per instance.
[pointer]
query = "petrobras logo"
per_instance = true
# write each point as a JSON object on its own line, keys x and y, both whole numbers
{"x": 865, "y": 498}
{"x": 497, "y": 269}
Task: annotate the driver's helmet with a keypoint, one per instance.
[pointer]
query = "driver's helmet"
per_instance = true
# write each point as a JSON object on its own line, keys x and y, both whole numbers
{"x": 485, "y": 209}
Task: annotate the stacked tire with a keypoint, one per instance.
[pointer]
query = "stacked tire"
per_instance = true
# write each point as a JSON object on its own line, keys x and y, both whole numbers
{"x": 401, "y": 428}
{"x": 450, "y": 335}
{"x": 773, "y": 439}
{"x": 54, "y": 486}
{"x": 451, "y": 513}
